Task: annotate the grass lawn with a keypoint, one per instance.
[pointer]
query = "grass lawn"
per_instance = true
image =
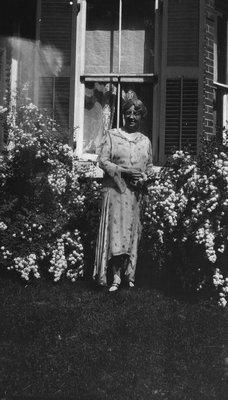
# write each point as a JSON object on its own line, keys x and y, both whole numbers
{"x": 69, "y": 341}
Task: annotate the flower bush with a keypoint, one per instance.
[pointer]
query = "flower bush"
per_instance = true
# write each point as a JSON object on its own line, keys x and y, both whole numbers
{"x": 49, "y": 209}
{"x": 186, "y": 220}
{"x": 46, "y": 218}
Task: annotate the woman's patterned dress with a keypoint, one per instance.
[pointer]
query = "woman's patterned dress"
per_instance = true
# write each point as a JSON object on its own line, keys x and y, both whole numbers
{"x": 120, "y": 226}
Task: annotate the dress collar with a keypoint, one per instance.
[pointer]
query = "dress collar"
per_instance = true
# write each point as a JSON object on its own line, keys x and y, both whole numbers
{"x": 127, "y": 136}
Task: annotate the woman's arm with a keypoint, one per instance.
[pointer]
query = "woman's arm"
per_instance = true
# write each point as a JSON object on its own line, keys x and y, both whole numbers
{"x": 105, "y": 163}
{"x": 104, "y": 157}
{"x": 149, "y": 165}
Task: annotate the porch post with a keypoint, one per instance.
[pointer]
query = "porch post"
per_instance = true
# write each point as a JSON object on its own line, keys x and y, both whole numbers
{"x": 77, "y": 89}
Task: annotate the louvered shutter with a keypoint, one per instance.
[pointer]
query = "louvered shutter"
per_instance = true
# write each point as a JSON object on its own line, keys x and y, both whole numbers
{"x": 54, "y": 96}
{"x": 172, "y": 120}
{"x": 181, "y": 115}
{"x": 1, "y": 67}
{"x": 46, "y": 94}
{"x": 55, "y": 31}
{"x": 55, "y": 26}
{"x": 2, "y": 88}
{"x": 61, "y": 107}
{"x": 183, "y": 32}
{"x": 179, "y": 121}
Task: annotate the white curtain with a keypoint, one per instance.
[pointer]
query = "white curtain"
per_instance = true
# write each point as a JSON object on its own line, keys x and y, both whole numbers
{"x": 100, "y": 103}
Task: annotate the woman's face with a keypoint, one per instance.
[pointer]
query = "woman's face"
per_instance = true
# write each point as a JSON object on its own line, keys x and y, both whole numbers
{"x": 132, "y": 119}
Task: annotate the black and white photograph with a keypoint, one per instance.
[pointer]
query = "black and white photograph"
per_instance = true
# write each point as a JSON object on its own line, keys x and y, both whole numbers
{"x": 113, "y": 200}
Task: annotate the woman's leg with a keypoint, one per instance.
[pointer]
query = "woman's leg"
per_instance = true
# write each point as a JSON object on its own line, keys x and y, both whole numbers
{"x": 116, "y": 265}
{"x": 119, "y": 266}
{"x": 129, "y": 277}
{"x": 116, "y": 273}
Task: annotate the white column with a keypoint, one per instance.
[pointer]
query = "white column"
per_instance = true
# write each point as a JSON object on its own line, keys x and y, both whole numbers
{"x": 79, "y": 88}
{"x": 119, "y": 63}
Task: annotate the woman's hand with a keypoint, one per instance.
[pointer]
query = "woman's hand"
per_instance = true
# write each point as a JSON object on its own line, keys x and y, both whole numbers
{"x": 132, "y": 174}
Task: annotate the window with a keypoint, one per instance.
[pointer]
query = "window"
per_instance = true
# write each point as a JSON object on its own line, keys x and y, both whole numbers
{"x": 114, "y": 61}
{"x": 221, "y": 74}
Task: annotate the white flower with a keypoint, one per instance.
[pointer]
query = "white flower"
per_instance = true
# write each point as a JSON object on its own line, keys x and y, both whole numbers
{"x": 2, "y": 109}
{"x": 3, "y": 226}
{"x": 222, "y": 302}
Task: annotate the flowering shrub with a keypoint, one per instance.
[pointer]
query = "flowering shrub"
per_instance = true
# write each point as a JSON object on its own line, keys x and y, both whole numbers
{"x": 49, "y": 209}
{"x": 67, "y": 255}
{"x": 25, "y": 266}
{"x": 43, "y": 199}
{"x": 185, "y": 220}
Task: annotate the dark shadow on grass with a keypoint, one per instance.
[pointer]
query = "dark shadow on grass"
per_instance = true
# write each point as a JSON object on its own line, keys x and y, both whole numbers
{"x": 149, "y": 275}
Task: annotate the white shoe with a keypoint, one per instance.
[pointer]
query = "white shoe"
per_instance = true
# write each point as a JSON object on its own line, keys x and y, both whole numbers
{"x": 114, "y": 287}
{"x": 131, "y": 285}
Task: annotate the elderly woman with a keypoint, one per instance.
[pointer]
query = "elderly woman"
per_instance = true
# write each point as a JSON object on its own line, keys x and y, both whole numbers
{"x": 126, "y": 158}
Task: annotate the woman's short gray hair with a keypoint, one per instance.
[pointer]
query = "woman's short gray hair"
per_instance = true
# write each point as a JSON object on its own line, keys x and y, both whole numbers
{"x": 138, "y": 104}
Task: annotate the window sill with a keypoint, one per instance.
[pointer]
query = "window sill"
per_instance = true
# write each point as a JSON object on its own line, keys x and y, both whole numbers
{"x": 92, "y": 169}
{"x": 88, "y": 157}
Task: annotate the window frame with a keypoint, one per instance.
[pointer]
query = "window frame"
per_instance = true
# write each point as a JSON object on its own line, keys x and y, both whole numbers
{"x": 221, "y": 88}
{"x": 81, "y": 77}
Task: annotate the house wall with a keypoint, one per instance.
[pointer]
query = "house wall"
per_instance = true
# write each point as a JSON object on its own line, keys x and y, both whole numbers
{"x": 177, "y": 65}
